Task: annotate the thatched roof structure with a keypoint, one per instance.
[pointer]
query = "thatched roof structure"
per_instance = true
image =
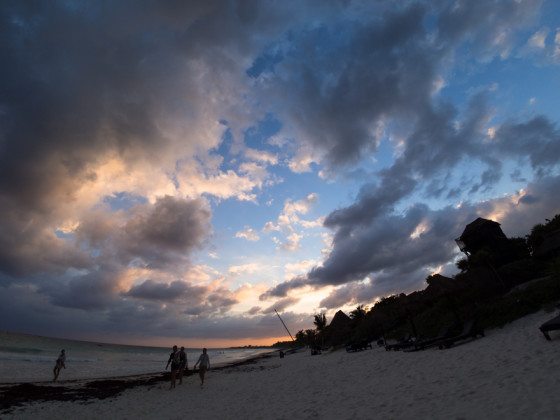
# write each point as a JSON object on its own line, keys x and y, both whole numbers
{"x": 481, "y": 233}
{"x": 340, "y": 320}
{"x": 340, "y": 328}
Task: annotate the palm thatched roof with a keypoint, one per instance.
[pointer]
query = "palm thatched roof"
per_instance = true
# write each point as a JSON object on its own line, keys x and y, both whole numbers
{"x": 340, "y": 320}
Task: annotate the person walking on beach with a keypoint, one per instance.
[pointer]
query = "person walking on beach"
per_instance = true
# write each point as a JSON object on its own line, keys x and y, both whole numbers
{"x": 183, "y": 364}
{"x": 60, "y": 363}
{"x": 204, "y": 362}
{"x": 175, "y": 363}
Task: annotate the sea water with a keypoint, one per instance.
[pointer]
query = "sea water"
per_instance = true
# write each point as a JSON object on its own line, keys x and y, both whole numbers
{"x": 28, "y": 358}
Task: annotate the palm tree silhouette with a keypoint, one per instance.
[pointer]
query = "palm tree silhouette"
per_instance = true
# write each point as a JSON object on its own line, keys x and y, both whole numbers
{"x": 321, "y": 323}
{"x": 358, "y": 313}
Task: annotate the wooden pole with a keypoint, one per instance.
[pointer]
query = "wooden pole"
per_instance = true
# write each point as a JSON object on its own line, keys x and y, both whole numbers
{"x": 284, "y": 325}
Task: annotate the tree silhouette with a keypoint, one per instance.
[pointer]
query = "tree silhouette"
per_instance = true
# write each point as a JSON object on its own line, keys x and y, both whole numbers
{"x": 321, "y": 323}
{"x": 306, "y": 337}
{"x": 463, "y": 265}
{"x": 358, "y": 313}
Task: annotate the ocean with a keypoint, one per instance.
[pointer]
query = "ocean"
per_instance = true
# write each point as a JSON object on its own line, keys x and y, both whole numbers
{"x": 29, "y": 358}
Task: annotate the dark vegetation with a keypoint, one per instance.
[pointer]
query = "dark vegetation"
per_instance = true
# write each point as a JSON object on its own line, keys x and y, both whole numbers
{"x": 501, "y": 279}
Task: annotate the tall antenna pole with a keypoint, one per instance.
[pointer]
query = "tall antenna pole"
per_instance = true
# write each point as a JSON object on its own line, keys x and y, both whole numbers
{"x": 284, "y": 325}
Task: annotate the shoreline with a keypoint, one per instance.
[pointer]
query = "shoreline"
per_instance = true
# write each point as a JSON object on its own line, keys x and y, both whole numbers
{"x": 15, "y": 394}
{"x": 30, "y": 358}
{"x": 509, "y": 373}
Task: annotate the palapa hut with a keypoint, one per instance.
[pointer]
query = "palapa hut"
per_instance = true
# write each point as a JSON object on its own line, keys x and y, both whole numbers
{"x": 479, "y": 234}
{"x": 340, "y": 328}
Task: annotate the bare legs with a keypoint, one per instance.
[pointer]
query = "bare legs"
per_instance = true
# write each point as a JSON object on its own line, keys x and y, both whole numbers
{"x": 173, "y": 375}
{"x": 201, "y": 373}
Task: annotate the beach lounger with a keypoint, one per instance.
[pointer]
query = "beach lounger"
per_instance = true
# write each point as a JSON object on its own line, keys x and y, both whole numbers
{"x": 470, "y": 330}
{"x": 404, "y": 343}
{"x": 359, "y": 346}
{"x": 442, "y": 335}
{"x": 551, "y": 325}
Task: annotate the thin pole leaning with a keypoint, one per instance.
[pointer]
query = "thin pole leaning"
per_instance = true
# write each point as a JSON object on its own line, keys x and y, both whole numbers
{"x": 284, "y": 325}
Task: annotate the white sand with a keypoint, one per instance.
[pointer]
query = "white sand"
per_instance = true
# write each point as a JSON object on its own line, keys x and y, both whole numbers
{"x": 512, "y": 373}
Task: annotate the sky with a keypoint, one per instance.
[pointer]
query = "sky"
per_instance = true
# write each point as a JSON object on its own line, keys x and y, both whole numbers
{"x": 171, "y": 172}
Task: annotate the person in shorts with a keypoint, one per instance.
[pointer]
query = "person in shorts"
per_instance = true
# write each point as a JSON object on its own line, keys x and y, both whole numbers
{"x": 175, "y": 363}
{"x": 204, "y": 362}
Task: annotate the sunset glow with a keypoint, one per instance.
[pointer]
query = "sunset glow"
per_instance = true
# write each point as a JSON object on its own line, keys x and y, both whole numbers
{"x": 178, "y": 171}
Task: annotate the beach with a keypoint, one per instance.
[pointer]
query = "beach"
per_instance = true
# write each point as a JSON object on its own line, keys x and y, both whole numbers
{"x": 511, "y": 372}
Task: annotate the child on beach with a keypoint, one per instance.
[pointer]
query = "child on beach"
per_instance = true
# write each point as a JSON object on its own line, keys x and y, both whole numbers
{"x": 175, "y": 363}
{"x": 60, "y": 363}
{"x": 204, "y": 362}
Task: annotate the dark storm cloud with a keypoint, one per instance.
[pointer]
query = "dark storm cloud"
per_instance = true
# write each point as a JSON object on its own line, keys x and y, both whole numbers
{"x": 385, "y": 68}
{"x": 84, "y": 80}
{"x": 538, "y": 203}
{"x": 349, "y": 294}
{"x": 221, "y": 300}
{"x": 388, "y": 245}
{"x": 96, "y": 290}
{"x": 156, "y": 234}
{"x": 135, "y": 320}
{"x": 369, "y": 237}
{"x": 82, "y": 83}
{"x": 537, "y": 140}
{"x": 343, "y": 90}
{"x": 396, "y": 261}
{"x": 72, "y": 89}
{"x": 65, "y": 92}
{"x": 151, "y": 290}
{"x": 165, "y": 232}
{"x": 28, "y": 247}
{"x": 254, "y": 310}
{"x": 281, "y": 305}
{"x": 160, "y": 322}
{"x": 434, "y": 146}
{"x": 486, "y": 26}
{"x": 171, "y": 228}
{"x": 193, "y": 300}
{"x": 528, "y": 199}
{"x": 388, "y": 249}
{"x": 356, "y": 293}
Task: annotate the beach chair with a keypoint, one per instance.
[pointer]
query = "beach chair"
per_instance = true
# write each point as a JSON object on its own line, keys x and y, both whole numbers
{"x": 470, "y": 330}
{"x": 551, "y": 325}
{"x": 404, "y": 343}
{"x": 442, "y": 335}
{"x": 359, "y": 346}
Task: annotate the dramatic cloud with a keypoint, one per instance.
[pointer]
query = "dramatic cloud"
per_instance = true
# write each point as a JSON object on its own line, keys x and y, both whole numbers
{"x": 185, "y": 168}
{"x": 171, "y": 229}
{"x": 167, "y": 292}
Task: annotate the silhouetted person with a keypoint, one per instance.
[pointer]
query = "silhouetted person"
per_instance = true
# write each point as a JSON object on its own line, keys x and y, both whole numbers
{"x": 175, "y": 363}
{"x": 60, "y": 363}
{"x": 204, "y": 362}
{"x": 183, "y": 364}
